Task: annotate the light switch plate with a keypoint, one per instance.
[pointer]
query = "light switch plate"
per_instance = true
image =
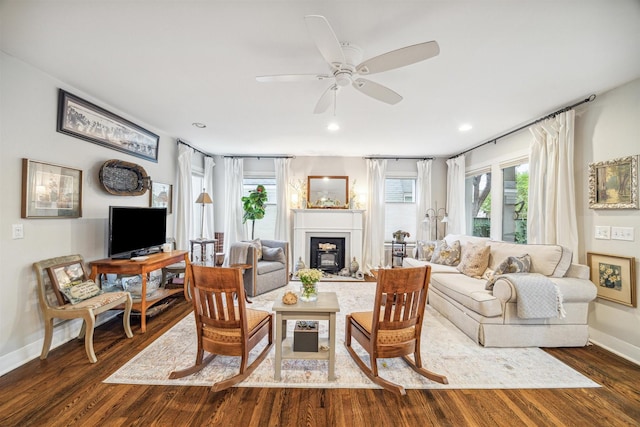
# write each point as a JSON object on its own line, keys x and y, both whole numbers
{"x": 622, "y": 233}
{"x": 603, "y": 232}
{"x": 17, "y": 231}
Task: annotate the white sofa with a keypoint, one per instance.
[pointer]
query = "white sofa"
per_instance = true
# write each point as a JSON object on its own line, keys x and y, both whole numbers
{"x": 490, "y": 317}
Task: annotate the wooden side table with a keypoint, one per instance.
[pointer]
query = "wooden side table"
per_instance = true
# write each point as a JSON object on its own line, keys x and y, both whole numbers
{"x": 130, "y": 267}
{"x": 324, "y": 308}
{"x": 203, "y": 248}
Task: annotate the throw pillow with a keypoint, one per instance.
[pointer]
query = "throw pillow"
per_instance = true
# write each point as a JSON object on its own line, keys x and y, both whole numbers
{"x": 273, "y": 254}
{"x": 474, "y": 260}
{"x": 80, "y": 291}
{"x": 257, "y": 245}
{"x": 425, "y": 249}
{"x": 513, "y": 264}
{"x": 445, "y": 254}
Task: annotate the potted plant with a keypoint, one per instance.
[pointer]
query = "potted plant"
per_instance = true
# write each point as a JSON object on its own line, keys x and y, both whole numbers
{"x": 253, "y": 206}
{"x": 400, "y": 235}
{"x": 309, "y": 278}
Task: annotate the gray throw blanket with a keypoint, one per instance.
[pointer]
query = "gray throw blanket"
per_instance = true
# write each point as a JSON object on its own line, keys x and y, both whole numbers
{"x": 237, "y": 254}
{"x": 538, "y": 297}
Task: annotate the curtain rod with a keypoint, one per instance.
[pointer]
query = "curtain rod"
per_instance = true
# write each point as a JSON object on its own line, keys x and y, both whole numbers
{"x": 255, "y": 156}
{"x": 194, "y": 148}
{"x": 397, "y": 158}
{"x": 548, "y": 116}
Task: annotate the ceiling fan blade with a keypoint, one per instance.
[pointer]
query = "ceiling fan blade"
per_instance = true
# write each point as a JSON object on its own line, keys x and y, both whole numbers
{"x": 377, "y": 91}
{"x": 325, "y": 39}
{"x": 399, "y": 58}
{"x": 285, "y": 78}
{"x": 326, "y": 99}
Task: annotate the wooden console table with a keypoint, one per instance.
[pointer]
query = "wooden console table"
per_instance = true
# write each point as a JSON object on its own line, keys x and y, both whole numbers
{"x": 130, "y": 267}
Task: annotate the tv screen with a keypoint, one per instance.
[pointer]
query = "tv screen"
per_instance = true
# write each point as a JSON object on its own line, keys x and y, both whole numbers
{"x": 135, "y": 231}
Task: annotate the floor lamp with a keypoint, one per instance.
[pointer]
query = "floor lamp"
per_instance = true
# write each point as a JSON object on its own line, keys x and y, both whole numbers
{"x": 436, "y": 215}
{"x": 203, "y": 199}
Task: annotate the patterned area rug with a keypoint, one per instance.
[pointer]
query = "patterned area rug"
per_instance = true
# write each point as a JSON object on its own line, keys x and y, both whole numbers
{"x": 445, "y": 350}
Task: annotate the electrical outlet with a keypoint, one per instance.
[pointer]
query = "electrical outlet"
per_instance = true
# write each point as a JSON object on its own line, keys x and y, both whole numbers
{"x": 603, "y": 232}
{"x": 17, "y": 231}
{"x": 622, "y": 233}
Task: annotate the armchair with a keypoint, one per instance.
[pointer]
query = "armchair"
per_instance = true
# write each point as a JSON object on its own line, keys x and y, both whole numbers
{"x": 269, "y": 266}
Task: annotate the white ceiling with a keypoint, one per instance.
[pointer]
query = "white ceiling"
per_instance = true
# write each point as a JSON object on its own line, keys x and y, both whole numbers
{"x": 171, "y": 63}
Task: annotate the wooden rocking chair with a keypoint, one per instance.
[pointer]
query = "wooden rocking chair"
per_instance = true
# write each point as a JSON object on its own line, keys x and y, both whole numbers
{"x": 224, "y": 325}
{"x": 394, "y": 326}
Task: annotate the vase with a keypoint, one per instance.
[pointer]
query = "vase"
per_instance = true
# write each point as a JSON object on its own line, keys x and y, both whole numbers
{"x": 309, "y": 291}
{"x": 354, "y": 267}
{"x": 300, "y": 264}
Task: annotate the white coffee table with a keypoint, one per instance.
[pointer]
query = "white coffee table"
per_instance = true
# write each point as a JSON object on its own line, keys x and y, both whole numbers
{"x": 324, "y": 308}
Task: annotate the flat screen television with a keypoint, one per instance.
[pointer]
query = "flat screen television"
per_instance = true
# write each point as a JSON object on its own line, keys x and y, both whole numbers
{"x": 136, "y": 231}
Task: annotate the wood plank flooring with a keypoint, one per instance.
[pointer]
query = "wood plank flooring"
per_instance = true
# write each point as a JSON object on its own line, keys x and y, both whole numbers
{"x": 66, "y": 390}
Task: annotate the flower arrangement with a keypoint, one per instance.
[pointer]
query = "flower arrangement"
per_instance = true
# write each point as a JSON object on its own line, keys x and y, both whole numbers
{"x": 400, "y": 235}
{"x": 309, "y": 277}
{"x": 610, "y": 276}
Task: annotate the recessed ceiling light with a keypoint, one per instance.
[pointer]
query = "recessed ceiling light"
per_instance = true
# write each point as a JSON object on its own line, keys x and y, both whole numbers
{"x": 465, "y": 127}
{"x": 333, "y": 127}
{"x": 199, "y": 125}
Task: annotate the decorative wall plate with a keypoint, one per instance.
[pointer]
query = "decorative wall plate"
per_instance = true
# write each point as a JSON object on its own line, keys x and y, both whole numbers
{"x": 124, "y": 178}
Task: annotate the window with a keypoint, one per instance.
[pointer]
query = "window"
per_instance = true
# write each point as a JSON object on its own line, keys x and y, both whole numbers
{"x": 265, "y": 228}
{"x": 400, "y": 206}
{"x": 478, "y": 197}
{"x": 515, "y": 194}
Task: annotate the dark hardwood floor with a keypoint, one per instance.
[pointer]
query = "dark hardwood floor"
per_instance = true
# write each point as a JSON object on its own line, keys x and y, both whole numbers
{"x": 66, "y": 390}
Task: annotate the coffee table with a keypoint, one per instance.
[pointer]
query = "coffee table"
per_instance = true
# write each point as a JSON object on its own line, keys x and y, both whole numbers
{"x": 324, "y": 308}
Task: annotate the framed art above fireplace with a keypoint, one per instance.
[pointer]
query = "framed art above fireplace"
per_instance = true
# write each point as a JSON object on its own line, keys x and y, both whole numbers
{"x": 328, "y": 192}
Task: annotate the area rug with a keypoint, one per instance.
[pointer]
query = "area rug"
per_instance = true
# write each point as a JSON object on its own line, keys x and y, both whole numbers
{"x": 445, "y": 350}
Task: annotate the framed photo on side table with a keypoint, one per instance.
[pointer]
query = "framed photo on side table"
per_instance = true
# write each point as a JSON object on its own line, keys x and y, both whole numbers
{"x": 613, "y": 184}
{"x": 84, "y": 120}
{"x": 50, "y": 191}
{"x": 614, "y": 276}
{"x": 161, "y": 196}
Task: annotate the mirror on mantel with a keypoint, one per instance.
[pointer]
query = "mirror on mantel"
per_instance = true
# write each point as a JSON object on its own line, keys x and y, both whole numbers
{"x": 327, "y": 192}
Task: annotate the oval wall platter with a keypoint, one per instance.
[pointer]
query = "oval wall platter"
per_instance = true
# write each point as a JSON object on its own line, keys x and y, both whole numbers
{"x": 124, "y": 178}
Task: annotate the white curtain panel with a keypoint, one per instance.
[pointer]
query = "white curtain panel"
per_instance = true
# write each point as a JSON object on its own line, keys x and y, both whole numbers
{"x": 423, "y": 197}
{"x": 208, "y": 231}
{"x": 234, "y": 229}
{"x": 552, "y": 216}
{"x": 373, "y": 250}
{"x": 455, "y": 195}
{"x": 283, "y": 169}
{"x": 184, "y": 193}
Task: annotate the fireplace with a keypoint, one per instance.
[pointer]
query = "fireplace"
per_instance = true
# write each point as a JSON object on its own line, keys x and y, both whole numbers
{"x": 327, "y": 253}
{"x": 344, "y": 224}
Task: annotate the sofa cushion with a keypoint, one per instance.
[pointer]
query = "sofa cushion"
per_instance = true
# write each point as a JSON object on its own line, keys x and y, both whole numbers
{"x": 550, "y": 260}
{"x": 273, "y": 254}
{"x": 446, "y": 254}
{"x": 265, "y": 267}
{"x": 425, "y": 249}
{"x": 469, "y": 292}
{"x": 474, "y": 259}
{"x": 512, "y": 264}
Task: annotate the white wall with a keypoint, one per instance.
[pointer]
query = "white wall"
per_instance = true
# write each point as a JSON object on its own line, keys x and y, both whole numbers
{"x": 606, "y": 128}
{"x": 28, "y": 112}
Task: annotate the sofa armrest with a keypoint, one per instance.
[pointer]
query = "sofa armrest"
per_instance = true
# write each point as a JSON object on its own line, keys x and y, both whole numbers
{"x": 573, "y": 289}
{"x": 578, "y": 271}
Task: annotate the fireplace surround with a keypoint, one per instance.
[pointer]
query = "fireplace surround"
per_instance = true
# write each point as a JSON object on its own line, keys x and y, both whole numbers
{"x": 344, "y": 224}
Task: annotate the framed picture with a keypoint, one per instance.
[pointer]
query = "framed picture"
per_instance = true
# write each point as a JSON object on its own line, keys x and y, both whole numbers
{"x": 613, "y": 184}
{"x": 615, "y": 277}
{"x": 50, "y": 191}
{"x": 161, "y": 196}
{"x": 84, "y": 120}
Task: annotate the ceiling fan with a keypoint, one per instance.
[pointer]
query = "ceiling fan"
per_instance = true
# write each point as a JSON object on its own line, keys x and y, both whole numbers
{"x": 346, "y": 68}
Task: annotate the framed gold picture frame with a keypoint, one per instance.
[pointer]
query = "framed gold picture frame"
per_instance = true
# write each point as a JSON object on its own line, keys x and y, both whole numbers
{"x": 614, "y": 276}
{"x": 327, "y": 192}
{"x": 161, "y": 196}
{"x": 50, "y": 191}
{"x": 613, "y": 184}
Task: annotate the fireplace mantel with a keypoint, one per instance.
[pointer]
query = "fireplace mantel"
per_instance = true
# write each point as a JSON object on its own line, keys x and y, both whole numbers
{"x": 347, "y": 223}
